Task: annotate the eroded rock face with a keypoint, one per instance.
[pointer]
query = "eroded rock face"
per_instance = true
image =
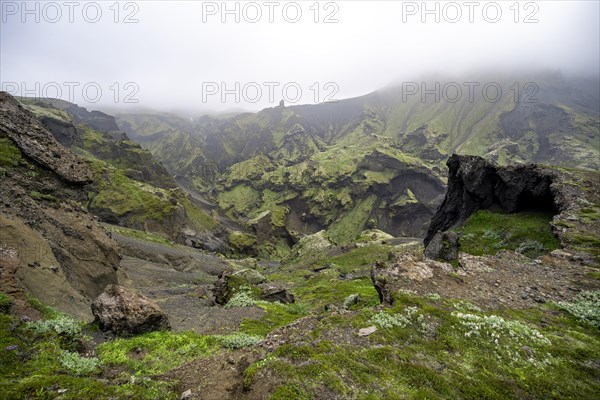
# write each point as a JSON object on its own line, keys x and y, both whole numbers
{"x": 38, "y": 144}
{"x": 126, "y": 312}
{"x": 475, "y": 184}
{"x": 66, "y": 256}
{"x": 443, "y": 246}
{"x": 402, "y": 271}
{"x": 275, "y": 293}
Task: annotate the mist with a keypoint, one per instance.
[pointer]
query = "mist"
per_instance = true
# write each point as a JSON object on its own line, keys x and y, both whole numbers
{"x": 198, "y": 57}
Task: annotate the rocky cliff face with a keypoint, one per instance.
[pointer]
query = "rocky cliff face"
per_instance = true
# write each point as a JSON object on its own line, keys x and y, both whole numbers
{"x": 65, "y": 258}
{"x": 475, "y": 184}
{"x": 131, "y": 188}
{"x": 37, "y": 144}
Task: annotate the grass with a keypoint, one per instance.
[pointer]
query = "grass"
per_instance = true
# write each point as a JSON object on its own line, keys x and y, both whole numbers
{"x": 487, "y": 232}
{"x": 43, "y": 365}
{"x": 276, "y": 315}
{"x": 41, "y": 196}
{"x": 437, "y": 352}
{"x": 142, "y": 235}
{"x": 10, "y": 155}
{"x": 159, "y": 351}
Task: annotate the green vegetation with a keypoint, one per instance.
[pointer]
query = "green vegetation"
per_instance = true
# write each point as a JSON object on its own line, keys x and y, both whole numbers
{"x": 241, "y": 240}
{"x": 276, "y": 315}
{"x": 10, "y": 155}
{"x": 239, "y": 340}
{"x": 156, "y": 352}
{"x": 241, "y": 299}
{"x": 42, "y": 360}
{"x": 6, "y": 303}
{"x": 428, "y": 350}
{"x": 41, "y": 196}
{"x": 137, "y": 234}
{"x": 585, "y": 307}
{"x": 78, "y": 365}
{"x": 528, "y": 233}
{"x": 350, "y": 225}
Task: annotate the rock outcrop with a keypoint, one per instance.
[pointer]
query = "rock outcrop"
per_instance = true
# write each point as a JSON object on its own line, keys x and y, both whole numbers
{"x": 66, "y": 257}
{"x": 475, "y": 184}
{"x": 126, "y": 312}
{"x": 443, "y": 246}
{"x": 38, "y": 144}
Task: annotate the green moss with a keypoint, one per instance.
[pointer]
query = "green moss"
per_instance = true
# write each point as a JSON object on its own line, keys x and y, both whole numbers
{"x": 199, "y": 220}
{"x": 241, "y": 240}
{"x": 46, "y": 311}
{"x": 276, "y": 315}
{"x": 142, "y": 235}
{"x": 125, "y": 197}
{"x": 406, "y": 199}
{"x": 160, "y": 351}
{"x": 285, "y": 392}
{"x": 41, "y": 196}
{"x": 349, "y": 226}
{"x": 240, "y": 199}
{"x": 486, "y": 232}
{"x": 439, "y": 354}
{"x": 10, "y": 155}
{"x": 6, "y": 303}
{"x": 35, "y": 366}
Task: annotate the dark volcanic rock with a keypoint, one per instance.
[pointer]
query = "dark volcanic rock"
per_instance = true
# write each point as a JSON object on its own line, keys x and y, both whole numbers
{"x": 380, "y": 276}
{"x": 443, "y": 246}
{"x": 126, "y": 312}
{"x": 39, "y": 144}
{"x": 475, "y": 184}
{"x": 274, "y": 293}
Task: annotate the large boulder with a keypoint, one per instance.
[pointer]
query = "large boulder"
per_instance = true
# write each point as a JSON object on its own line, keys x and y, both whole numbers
{"x": 406, "y": 271}
{"x": 443, "y": 246}
{"x": 275, "y": 293}
{"x": 126, "y": 312}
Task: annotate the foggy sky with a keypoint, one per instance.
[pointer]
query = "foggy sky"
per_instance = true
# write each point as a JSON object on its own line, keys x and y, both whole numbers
{"x": 170, "y": 59}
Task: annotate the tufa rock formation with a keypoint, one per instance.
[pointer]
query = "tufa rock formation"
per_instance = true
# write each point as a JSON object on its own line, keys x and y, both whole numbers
{"x": 126, "y": 312}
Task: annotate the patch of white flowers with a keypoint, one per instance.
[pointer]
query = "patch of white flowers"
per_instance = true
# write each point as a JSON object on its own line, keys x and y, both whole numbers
{"x": 410, "y": 317}
{"x": 240, "y": 299}
{"x": 462, "y": 305}
{"x": 585, "y": 307}
{"x": 511, "y": 339}
{"x": 433, "y": 296}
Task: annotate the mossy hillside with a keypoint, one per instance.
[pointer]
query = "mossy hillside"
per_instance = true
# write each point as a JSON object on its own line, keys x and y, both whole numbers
{"x": 349, "y": 226}
{"x": 45, "y": 359}
{"x": 487, "y": 232}
{"x": 10, "y": 155}
{"x": 136, "y": 204}
{"x": 142, "y": 235}
{"x": 436, "y": 348}
{"x": 40, "y": 364}
{"x": 335, "y": 184}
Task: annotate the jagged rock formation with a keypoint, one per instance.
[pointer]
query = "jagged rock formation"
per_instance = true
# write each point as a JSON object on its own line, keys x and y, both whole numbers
{"x": 130, "y": 187}
{"x": 126, "y": 312}
{"x": 66, "y": 258}
{"x": 35, "y": 142}
{"x": 475, "y": 184}
{"x": 443, "y": 246}
{"x": 375, "y": 159}
{"x": 571, "y": 195}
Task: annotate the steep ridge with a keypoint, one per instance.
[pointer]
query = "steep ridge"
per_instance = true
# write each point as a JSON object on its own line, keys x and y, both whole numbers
{"x": 131, "y": 188}
{"x": 570, "y": 195}
{"x": 64, "y": 257}
{"x": 374, "y": 160}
